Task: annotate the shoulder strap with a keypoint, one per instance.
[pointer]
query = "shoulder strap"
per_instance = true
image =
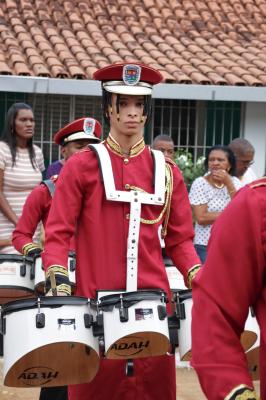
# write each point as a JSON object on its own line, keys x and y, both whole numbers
{"x": 50, "y": 185}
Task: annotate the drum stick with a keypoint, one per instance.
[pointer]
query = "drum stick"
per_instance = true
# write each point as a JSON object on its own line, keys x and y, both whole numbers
{"x": 53, "y": 283}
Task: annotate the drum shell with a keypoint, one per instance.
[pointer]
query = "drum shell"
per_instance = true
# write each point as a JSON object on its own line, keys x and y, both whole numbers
{"x": 184, "y": 331}
{"x": 137, "y": 338}
{"x": 39, "y": 281}
{"x": 13, "y": 285}
{"x": 54, "y": 347}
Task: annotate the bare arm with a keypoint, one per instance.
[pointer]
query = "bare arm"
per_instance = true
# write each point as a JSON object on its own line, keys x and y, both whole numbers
{"x": 4, "y": 205}
{"x": 203, "y": 216}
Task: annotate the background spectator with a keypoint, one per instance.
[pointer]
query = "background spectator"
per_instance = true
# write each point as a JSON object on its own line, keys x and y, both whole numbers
{"x": 21, "y": 166}
{"x": 210, "y": 194}
{"x": 165, "y": 144}
{"x": 244, "y": 153}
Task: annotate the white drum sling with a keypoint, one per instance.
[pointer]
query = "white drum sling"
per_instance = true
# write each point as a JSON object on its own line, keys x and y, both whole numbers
{"x": 135, "y": 321}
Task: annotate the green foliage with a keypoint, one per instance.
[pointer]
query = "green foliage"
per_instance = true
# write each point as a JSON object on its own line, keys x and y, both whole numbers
{"x": 190, "y": 171}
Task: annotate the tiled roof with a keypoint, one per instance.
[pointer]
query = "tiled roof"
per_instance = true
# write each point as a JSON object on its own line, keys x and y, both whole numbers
{"x": 221, "y": 42}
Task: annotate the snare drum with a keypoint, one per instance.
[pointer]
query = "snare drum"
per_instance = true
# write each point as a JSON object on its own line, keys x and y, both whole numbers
{"x": 40, "y": 274}
{"x": 16, "y": 277}
{"x": 250, "y": 340}
{"x": 49, "y": 342}
{"x": 184, "y": 332}
{"x": 135, "y": 324}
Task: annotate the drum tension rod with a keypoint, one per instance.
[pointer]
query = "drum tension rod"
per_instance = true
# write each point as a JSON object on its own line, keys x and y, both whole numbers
{"x": 123, "y": 312}
{"x": 40, "y": 317}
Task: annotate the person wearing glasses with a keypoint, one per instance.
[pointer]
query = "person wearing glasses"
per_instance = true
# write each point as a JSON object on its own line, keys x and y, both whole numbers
{"x": 244, "y": 153}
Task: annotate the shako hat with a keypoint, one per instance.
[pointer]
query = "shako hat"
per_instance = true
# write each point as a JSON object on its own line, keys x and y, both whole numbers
{"x": 82, "y": 128}
{"x": 128, "y": 78}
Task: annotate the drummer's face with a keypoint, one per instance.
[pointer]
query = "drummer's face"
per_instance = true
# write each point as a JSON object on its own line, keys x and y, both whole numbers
{"x": 128, "y": 120}
{"x": 73, "y": 147}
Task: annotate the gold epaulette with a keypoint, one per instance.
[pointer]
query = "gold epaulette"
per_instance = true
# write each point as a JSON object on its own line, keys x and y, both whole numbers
{"x": 259, "y": 182}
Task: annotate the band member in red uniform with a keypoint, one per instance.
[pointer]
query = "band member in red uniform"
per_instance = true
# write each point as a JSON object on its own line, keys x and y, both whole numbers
{"x": 73, "y": 137}
{"x": 102, "y": 227}
{"x": 232, "y": 280}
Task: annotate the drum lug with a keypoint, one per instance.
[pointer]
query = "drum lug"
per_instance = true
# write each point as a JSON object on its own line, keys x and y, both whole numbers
{"x": 130, "y": 368}
{"x": 23, "y": 270}
{"x": 88, "y": 320}
{"x": 180, "y": 311}
{"x": 101, "y": 347}
{"x": 123, "y": 314}
{"x": 32, "y": 272}
{"x": 162, "y": 313}
{"x": 173, "y": 326}
{"x": 72, "y": 265}
{"x": 3, "y": 326}
{"x": 40, "y": 320}
{"x": 97, "y": 327}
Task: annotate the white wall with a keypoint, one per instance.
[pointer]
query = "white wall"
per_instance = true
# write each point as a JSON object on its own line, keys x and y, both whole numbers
{"x": 255, "y": 133}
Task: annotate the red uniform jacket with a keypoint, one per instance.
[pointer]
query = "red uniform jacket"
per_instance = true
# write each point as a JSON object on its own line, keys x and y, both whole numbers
{"x": 36, "y": 209}
{"x": 232, "y": 279}
{"x": 102, "y": 230}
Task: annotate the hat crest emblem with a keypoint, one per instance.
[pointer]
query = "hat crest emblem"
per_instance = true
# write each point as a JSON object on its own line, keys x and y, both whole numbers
{"x": 89, "y": 126}
{"x": 131, "y": 74}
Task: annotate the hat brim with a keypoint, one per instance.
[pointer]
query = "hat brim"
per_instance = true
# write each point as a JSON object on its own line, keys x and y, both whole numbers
{"x": 80, "y": 136}
{"x": 129, "y": 90}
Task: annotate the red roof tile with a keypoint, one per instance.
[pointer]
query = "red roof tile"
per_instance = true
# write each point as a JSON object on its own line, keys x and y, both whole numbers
{"x": 190, "y": 41}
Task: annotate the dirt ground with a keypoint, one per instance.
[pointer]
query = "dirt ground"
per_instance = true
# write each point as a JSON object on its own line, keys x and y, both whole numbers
{"x": 188, "y": 387}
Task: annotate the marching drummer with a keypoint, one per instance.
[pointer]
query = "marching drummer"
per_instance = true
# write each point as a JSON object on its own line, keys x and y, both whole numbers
{"x": 83, "y": 204}
{"x": 72, "y": 137}
{"x": 232, "y": 280}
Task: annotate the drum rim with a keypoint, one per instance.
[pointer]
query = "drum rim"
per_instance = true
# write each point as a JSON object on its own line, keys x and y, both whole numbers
{"x": 184, "y": 294}
{"x": 15, "y": 257}
{"x": 44, "y": 301}
{"x": 136, "y": 296}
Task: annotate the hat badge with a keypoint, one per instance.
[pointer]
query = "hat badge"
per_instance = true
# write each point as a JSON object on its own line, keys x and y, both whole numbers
{"x": 131, "y": 74}
{"x": 88, "y": 126}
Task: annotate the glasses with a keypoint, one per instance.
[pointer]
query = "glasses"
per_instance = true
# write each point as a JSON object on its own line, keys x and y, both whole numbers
{"x": 245, "y": 162}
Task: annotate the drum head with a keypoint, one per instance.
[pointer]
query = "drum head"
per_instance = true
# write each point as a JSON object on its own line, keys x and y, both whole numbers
{"x": 139, "y": 345}
{"x": 248, "y": 339}
{"x": 56, "y": 364}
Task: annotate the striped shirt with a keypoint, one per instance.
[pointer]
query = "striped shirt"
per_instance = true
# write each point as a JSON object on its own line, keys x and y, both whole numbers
{"x": 18, "y": 182}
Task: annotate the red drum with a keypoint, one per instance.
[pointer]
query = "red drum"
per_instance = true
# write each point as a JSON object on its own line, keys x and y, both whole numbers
{"x": 49, "y": 341}
{"x": 16, "y": 277}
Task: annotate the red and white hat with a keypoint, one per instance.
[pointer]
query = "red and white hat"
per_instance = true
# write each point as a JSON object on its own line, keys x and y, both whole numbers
{"x": 128, "y": 78}
{"x": 83, "y": 128}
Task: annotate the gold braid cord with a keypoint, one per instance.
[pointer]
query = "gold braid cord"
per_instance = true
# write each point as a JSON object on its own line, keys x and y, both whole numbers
{"x": 28, "y": 247}
{"x": 242, "y": 392}
{"x": 167, "y": 204}
{"x": 60, "y": 273}
{"x": 191, "y": 274}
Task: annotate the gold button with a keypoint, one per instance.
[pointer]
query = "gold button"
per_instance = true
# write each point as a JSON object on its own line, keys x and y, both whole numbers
{"x": 127, "y": 216}
{"x": 127, "y": 186}
{"x": 126, "y": 160}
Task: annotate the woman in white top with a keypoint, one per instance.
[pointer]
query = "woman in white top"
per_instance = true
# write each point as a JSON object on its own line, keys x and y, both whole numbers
{"x": 21, "y": 166}
{"x": 210, "y": 194}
